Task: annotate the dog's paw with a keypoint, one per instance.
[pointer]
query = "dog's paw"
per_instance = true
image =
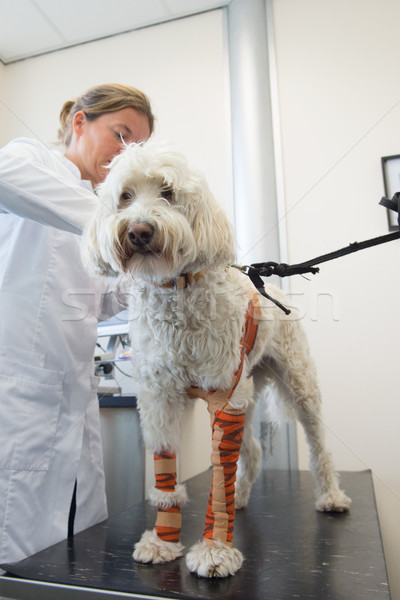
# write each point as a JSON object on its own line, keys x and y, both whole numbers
{"x": 151, "y": 549}
{"x": 333, "y": 501}
{"x": 213, "y": 561}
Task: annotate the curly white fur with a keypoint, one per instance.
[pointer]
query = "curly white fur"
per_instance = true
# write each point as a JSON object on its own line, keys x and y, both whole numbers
{"x": 213, "y": 561}
{"x": 156, "y": 220}
{"x": 150, "y": 549}
{"x": 186, "y": 233}
{"x": 163, "y": 499}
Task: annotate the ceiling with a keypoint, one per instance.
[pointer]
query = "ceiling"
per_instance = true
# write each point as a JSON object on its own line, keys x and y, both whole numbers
{"x": 32, "y": 27}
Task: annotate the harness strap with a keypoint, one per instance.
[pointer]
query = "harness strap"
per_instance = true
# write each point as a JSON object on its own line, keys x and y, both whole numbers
{"x": 249, "y": 335}
{"x": 247, "y": 341}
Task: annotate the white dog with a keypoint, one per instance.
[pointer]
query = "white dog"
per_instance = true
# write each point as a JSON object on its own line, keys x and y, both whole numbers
{"x": 199, "y": 329}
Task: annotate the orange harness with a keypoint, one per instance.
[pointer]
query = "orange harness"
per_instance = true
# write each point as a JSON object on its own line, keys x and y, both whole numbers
{"x": 247, "y": 341}
{"x": 227, "y": 433}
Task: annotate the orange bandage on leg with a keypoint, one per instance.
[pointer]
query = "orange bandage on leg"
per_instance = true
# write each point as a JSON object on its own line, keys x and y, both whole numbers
{"x": 165, "y": 471}
{"x": 168, "y": 523}
{"x": 227, "y": 435}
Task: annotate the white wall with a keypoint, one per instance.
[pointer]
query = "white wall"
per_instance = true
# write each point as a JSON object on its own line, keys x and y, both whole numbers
{"x": 339, "y": 91}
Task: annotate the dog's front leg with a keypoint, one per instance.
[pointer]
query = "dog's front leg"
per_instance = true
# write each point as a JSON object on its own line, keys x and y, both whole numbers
{"x": 214, "y": 555}
{"x": 162, "y": 543}
{"x": 160, "y": 421}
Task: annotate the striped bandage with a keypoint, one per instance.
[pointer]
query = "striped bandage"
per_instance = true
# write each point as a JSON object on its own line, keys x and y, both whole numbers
{"x": 227, "y": 425}
{"x": 227, "y": 435}
{"x": 168, "y": 523}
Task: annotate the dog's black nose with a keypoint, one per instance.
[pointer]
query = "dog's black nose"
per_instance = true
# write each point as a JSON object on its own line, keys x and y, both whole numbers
{"x": 140, "y": 234}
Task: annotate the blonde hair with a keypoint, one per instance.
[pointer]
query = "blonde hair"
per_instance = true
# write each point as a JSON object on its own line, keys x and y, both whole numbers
{"x": 101, "y": 99}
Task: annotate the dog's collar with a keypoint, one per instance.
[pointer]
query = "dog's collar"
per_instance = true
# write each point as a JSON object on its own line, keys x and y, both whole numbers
{"x": 181, "y": 282}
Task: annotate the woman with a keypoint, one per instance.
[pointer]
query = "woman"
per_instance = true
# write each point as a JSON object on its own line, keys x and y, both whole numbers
{"x": 49, "y": 308}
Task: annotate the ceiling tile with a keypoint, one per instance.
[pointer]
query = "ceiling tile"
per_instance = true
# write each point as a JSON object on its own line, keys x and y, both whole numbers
{"x": 90, "y": 19}
{"x": 24, "y": 30}
{"x": 31, "y": 27}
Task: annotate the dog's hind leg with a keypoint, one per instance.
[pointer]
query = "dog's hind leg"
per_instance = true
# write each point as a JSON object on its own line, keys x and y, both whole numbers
{"x": 249, "y": 460}
{"x": 298, "y": 374}
{"x": 330, "y": 498}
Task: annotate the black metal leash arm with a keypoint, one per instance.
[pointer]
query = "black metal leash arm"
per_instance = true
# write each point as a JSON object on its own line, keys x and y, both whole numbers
{"x": 283, "y": 270}
{"x": 257, "y": 270}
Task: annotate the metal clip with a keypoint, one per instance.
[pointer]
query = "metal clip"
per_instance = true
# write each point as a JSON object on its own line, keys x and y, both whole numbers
{"x": 242, "y": 268}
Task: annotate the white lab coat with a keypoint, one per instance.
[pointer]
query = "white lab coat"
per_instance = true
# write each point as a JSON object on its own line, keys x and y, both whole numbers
{"x": 49, "y": 307}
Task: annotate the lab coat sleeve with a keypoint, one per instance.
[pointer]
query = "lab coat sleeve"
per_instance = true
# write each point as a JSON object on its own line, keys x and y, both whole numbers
{"x": 42, "y": 191}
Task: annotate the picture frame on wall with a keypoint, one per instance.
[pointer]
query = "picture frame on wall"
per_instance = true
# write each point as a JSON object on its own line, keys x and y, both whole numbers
{"x": 391, "y": 180}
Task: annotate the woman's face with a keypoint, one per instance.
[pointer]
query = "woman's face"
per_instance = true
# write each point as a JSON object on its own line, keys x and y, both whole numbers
{"x": 95, "y": 143}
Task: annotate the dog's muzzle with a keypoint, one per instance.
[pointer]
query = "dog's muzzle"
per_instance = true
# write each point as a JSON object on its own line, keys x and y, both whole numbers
{"x": 140, "y": 236}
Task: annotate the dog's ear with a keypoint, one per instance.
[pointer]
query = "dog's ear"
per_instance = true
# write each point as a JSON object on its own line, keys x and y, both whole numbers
{"x": 212, "y": 230}
{"x": 90, "y": 250}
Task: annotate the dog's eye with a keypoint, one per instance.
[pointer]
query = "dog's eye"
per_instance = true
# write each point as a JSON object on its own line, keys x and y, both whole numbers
{"x": 167, "y": 194}
{"x": 126, "y": 197}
